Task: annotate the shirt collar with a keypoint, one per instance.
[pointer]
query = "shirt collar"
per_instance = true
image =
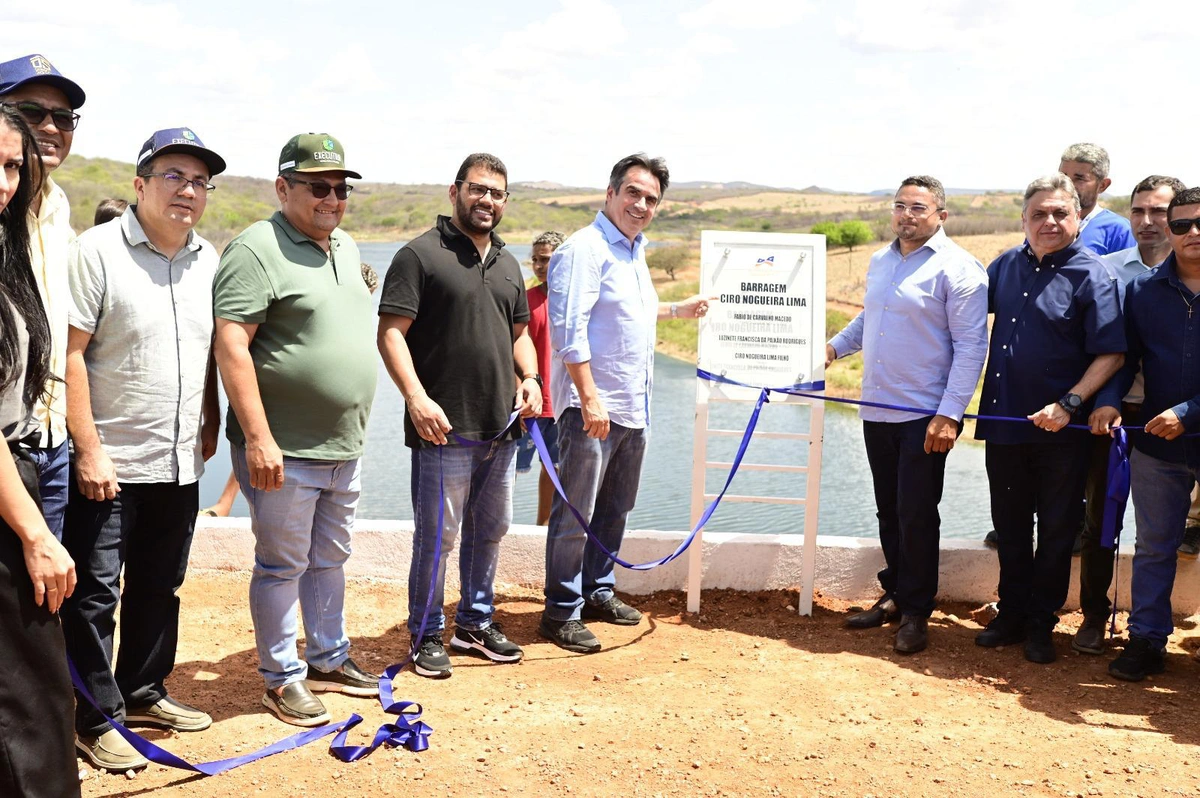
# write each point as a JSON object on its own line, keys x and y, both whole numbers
{"x": 135, "y": 234}
{"x": 280, "y": 221}
{"x": 452, "y": 234}
{"x": 614, "y": 235}
{"x": 936, "y": 242}
{"x": 1055, "y": 259}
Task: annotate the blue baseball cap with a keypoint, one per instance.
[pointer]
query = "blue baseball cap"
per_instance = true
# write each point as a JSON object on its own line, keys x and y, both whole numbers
{"x": 181, "y": 140}
{"x": 38, "y": 69}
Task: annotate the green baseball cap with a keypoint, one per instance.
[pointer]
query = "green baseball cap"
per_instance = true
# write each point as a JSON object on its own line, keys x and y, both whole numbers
{"x": 314, "y": 152}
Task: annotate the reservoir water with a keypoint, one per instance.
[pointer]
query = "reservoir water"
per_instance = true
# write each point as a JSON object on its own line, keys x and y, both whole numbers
{"x": 847, "y": 504}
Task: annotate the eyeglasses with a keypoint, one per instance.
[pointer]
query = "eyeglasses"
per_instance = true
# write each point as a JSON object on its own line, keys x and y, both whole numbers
{"x": 321, "y": 190}
{"x": 1182, "y": 227}
{"x": 918, "y": 210}
{"x": 477, "y": 190}
{"x": 34, "y": 114}
{"x": 177, "y": 182}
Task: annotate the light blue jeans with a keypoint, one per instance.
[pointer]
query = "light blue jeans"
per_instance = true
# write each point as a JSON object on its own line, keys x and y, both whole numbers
{"x": 600, "y": 478}
{"x": 1162, "y": 495}
{"x": 301, "y": 543}
{"x": 476, "y": 493}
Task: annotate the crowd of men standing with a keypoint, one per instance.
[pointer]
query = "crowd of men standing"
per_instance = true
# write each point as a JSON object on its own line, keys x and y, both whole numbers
{"x": 143, "y": 314}
{"x": 1093, "y": 330}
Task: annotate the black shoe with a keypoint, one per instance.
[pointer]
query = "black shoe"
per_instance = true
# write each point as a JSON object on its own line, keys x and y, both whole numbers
{"x": 431, "y": 659}
{"x": 991, "y": 540}
{"x": 612, "y": 610}
{"x": 489, "y": 642}
{"x": 881, "y": 612}
{"x": 1189, "y": 549}
{"x": 348, "y": 679}
{"x": 1039, "y": 647}
{"x": 571, "y": 635}
{"x": 296, "y": 705}
{"x": 913, "y": 635}
{"x": 1090, "y": 637}
{"x": 1004, "y": 630}
{"x": 1140, "y": 659}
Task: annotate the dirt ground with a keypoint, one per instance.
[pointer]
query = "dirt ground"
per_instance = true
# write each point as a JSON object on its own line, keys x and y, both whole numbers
{"x": 746, "y": 699}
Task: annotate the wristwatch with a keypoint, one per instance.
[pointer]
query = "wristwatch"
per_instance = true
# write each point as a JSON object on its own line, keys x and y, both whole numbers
{"x": 536, "y": 378}
{"x": 1071, "y": 402}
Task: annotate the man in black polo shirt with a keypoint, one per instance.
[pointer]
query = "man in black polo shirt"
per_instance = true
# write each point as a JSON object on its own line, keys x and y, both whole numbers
{"x": 452, "y": 319}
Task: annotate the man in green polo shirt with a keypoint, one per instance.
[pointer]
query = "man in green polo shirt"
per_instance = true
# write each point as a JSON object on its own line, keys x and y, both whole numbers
{"x": 296, "y": 349}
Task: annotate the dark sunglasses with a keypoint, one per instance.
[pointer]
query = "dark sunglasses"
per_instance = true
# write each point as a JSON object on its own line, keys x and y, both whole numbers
{"x": 321, "y": 190}
{"x": 34, "y": 114}
{"x": 1182, "y": 227}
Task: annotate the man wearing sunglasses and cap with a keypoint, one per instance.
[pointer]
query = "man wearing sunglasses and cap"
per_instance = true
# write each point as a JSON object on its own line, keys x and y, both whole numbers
{"x": 47, "y": 101}
{"x": 143, "y": 415}
{"x": 295, "y": 344}
{"x": 1161, "y": 325}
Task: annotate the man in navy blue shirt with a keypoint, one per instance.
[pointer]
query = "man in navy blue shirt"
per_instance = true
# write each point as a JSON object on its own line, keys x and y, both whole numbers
{"x": 1161, "y": 326}
{"x": 1100, "y": 230}
{"x": 1057, "y": 337}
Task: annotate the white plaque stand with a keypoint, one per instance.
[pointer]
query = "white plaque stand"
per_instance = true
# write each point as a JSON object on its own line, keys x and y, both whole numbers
{"x": 768, "y": 330}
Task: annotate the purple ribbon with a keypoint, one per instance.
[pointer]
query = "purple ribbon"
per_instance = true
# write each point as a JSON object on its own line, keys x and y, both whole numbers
{"x": 164, "y": 757}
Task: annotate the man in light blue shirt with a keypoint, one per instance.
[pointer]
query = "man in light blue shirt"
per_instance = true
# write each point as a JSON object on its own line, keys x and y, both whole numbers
{"x": 1100, "y": 230}
{"x": 1148, "y": 217}
{"x": 603, "y": 314}
{"x": 923, "y": 335}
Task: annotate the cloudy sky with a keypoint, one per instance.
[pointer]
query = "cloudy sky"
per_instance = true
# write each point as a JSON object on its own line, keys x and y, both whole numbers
{"x": 853, "y": 94}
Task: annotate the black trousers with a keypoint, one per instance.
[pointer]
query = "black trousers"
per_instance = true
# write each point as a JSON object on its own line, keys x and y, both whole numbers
{"x": 37, "y": 746}
{"x": 908, "y": 487}
{"x": 147, "y": 530}
{"x": 1045, "y": 479}
{"x": 1095, "y": 561}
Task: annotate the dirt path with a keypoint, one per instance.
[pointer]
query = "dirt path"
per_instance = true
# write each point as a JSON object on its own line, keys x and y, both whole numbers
{"x": 747, "y": 699}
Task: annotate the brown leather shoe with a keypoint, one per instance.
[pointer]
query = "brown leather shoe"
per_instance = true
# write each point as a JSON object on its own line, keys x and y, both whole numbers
{"x": 913, "y": 635}
{"x": 883, "y": 611}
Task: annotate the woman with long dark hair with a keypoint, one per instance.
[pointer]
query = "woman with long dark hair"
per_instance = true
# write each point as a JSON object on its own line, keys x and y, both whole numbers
{"x": 37, "y": 754}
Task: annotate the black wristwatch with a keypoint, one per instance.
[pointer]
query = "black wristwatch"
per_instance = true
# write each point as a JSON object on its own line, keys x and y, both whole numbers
{"x": 536, "y": 378}
{"x": 1071, "y": 402}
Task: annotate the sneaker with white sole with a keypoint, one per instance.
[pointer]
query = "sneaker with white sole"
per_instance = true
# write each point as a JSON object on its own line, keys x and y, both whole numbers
{"x": 431, "y": 660}
{"x": 110, "y": 751}
{"x": 489, "y": 642}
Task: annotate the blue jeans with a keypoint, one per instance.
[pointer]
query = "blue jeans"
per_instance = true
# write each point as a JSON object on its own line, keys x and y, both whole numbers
{"x": 600, "y": 478}
{"x": 1162, "y": 494}
{"x": 301, "y": 544}
{"x": 526, "y": 449}
{"x": 476, "y": 494}
{"x": 54, "y": 473}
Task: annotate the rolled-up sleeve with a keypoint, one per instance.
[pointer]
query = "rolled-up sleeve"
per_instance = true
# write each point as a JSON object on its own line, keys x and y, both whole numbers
{"x": 574, "y": 281}
{"x": 966, "y": 315}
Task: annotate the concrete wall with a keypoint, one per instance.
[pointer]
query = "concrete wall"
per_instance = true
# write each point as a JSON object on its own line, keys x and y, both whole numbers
{"x": 846, "y": 567}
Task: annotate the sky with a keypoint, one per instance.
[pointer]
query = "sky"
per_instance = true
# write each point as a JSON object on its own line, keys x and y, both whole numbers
{"x": 852, "y": 95}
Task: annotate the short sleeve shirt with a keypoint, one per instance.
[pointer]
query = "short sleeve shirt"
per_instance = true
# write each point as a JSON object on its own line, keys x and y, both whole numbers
{"x": 314, "y": 349}
{"x": 539, "y": 332}
{"x": 463, "y": 309}
{"x": 1051, "y": 320}
{"x": 150, "y": 318}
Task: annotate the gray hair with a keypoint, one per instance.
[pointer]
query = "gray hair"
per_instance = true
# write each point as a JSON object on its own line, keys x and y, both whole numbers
{"x": 1054, "y": 182}
{"x": 1092, "y": 154}
{"x": 553, "y": 238}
